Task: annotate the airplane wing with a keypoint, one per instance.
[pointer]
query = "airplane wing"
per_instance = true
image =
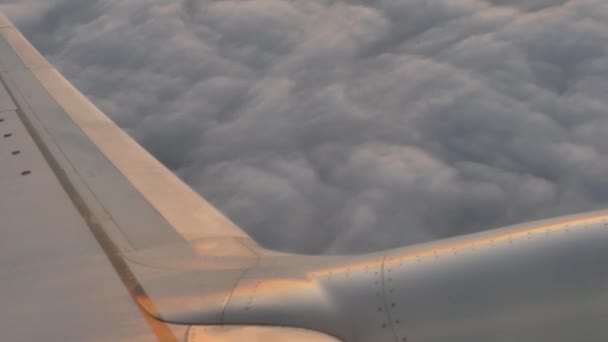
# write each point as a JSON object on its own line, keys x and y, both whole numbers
{"x": 100, "y": 242}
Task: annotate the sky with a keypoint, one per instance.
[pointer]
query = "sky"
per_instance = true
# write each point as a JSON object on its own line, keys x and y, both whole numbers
{"x": 349, "y": 126}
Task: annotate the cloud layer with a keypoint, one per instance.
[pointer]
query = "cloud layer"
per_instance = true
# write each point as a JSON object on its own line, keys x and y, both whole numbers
{"x": 327, "y": 126}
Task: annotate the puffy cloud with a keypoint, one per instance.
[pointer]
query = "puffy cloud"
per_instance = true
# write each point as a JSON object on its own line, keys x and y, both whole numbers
{"x": 338, "y": 126}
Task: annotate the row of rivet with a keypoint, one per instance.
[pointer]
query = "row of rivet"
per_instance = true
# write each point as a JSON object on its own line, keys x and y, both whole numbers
{"x": 15, "y": 152}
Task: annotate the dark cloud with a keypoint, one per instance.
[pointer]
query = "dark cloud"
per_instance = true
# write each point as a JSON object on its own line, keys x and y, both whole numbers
{"x": 346, "y": 126}
{"x": 528, "y": 5}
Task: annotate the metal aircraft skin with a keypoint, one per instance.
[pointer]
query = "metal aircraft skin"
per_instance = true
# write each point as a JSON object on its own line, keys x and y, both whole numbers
{"x": 100, "y": 242}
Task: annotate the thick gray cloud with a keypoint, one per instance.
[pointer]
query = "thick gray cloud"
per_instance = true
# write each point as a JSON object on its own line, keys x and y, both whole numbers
{"x": 346, "y": 126}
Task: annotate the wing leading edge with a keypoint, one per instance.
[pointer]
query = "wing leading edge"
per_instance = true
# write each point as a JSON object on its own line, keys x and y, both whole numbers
{"x": 95, "y": 220}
